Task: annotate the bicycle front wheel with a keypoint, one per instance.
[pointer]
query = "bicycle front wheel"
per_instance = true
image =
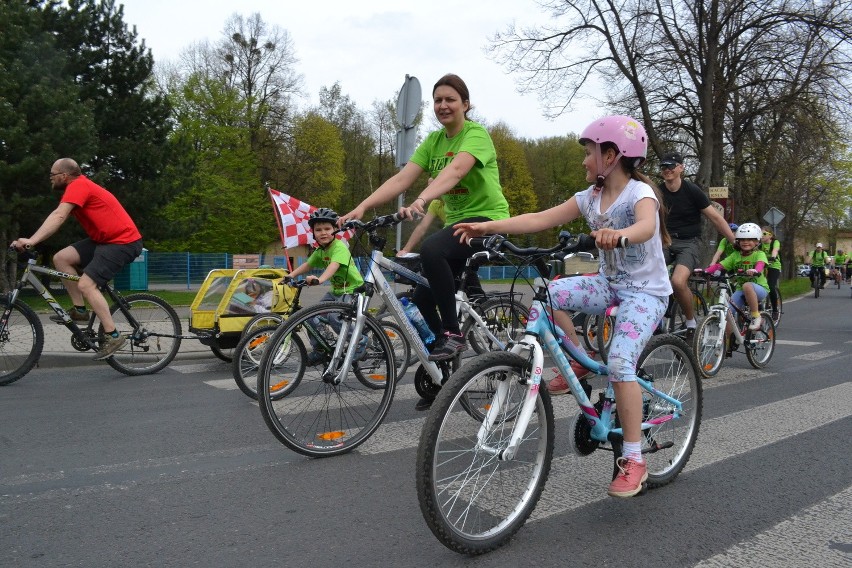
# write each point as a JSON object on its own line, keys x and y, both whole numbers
{"x": 247, "y": 357}
{"x": 669, "y": 365}
{"x": 21, "y": 341}
{"x": 504, "y": 318}
{"x": 153, "y": 342}
{"x": 472, "y": 500}
{"x": 760, "y": 344}
{"x": 318, "y": 416}
{"x": 709, "y": 344}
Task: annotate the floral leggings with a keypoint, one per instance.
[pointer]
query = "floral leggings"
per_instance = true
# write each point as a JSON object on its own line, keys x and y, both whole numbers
{"x": 638, "y": 316}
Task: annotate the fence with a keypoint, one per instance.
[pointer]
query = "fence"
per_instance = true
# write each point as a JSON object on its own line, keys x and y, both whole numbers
{"x": 190, "y": 269}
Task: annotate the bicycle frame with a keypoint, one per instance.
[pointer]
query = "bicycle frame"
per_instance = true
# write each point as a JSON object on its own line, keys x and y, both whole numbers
{"x": 540, "y": 336}
{"x": 727, "y": 310}
{"x": 28, "y": 277}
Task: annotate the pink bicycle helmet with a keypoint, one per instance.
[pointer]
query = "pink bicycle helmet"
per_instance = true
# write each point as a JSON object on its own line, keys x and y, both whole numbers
{"x": 625, "y": 132}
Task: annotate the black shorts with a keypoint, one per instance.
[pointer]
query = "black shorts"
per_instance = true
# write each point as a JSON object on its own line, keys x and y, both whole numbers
{"x": 101, "y": 262}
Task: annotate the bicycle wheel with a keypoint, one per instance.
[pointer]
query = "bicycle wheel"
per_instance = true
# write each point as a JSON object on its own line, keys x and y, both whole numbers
{"x": 709, "y": 344}
{"x": 590, "y": 332}
{"x": 399, "y": 345}
{"x": 472, "y": 501}
{"x": 21, "y": 341}
{"x": 317, "y": 417}
{"x": 262, "y": 320}
{"x": 606, "y": 329}
{"x": 154, "y": 343}
{"x": 247, "y": 357}
{"x": 677, "y": 320}
{"x": 776, "y": 314}
{"x": 505, "y": 319}
{"x": 760, "y": 344}
{"x": 226, "y": 354}
{"x": 669, "y": 364}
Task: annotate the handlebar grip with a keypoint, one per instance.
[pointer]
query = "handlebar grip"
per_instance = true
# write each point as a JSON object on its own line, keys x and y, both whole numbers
{"x": 477, "y": 243}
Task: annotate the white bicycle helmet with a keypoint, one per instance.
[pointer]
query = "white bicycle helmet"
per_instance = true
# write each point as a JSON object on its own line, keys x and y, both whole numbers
{"x": 749, "y": 231}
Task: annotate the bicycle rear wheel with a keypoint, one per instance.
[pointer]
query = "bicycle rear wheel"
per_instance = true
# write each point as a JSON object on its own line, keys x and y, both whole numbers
{"x": 316, "y": 417}
{"x": 154, "y": 343}
{"x": 472, "y": 501}
{"x": 606, "y": 329}
{"x": 669, "y": 364}
{"x": 399, "y": 345}
{"x": 779, "y": 311}
{"x": 760, "y": 344}
{"x": 505, "y": 318}
{"x": 21, "y": 341}
{"x": 709, "y": 344}
{"x": 247, "y": 357}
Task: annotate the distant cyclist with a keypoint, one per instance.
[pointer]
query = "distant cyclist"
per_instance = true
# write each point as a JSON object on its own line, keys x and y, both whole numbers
{"x": 771, "y": 247}
{"x": 817, "y": 259}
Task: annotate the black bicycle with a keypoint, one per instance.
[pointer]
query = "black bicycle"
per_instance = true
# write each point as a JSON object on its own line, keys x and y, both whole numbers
{"x": 150, "y": 324}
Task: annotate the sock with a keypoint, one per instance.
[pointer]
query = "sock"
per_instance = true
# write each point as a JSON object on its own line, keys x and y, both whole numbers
{"x": 81, "y": 309}
{"x": 691, "y": 323}
{"x": 633, "y": 451}
{"x": 755, "y": 315}
{"x": 114, "y": 333}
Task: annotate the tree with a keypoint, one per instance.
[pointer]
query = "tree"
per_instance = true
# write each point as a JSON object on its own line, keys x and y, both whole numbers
{"x": 42, "y": 117}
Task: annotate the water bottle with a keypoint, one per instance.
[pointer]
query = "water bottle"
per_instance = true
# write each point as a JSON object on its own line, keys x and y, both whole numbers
{"x": 417, "y": 321}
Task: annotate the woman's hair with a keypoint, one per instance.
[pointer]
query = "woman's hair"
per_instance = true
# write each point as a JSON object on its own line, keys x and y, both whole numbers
{"x": 455, "y": 82}
{"x": 633, "y": 171}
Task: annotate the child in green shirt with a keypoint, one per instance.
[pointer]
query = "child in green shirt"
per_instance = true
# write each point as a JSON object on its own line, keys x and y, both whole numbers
{"x": 752, "y": 286}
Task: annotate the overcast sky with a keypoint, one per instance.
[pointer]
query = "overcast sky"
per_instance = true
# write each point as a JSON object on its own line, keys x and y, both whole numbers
{"x": 369, "y": 46}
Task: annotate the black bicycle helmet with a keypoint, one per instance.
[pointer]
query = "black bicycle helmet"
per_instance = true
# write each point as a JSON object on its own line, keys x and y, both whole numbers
{"x": 323, "y": 214}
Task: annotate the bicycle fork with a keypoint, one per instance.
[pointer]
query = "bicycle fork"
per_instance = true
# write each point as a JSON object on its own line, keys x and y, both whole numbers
{"x": 335, "y": 374}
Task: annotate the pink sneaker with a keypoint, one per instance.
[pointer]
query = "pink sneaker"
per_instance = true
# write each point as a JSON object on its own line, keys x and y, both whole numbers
{"x": 631, "y": 476}
{"x": 558, "y": 385}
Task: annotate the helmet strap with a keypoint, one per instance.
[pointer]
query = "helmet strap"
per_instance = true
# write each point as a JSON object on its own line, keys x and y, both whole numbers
{"x": 602, "y": 173}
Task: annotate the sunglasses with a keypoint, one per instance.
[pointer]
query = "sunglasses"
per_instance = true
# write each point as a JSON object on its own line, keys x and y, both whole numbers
{"x": 668, "y": 166}
{"x": 765, "y": 234}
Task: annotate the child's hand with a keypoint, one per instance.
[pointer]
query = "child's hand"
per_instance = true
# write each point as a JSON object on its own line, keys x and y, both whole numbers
{"x": 312, "y": 280}
{"x": 750, "y": 272}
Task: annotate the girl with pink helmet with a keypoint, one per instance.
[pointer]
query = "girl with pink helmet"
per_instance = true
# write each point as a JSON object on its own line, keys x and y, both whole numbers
{"x": 621, "y": 202}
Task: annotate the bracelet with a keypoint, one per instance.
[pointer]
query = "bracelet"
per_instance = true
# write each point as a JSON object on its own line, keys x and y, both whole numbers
{"x": 419, "y": 198}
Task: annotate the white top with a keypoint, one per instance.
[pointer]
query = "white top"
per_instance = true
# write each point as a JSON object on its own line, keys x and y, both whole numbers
{"x": 639, "y": 267}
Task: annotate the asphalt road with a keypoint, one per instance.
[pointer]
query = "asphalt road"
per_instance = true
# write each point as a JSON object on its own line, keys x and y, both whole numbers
{"x": 178, "y": 469}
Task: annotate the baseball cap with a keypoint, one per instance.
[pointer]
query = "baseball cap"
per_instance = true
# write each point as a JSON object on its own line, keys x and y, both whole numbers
{"x": 819, "y": 245}
{"x": 671, "y": 159}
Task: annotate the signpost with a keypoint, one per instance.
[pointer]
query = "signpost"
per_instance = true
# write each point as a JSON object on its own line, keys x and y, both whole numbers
{"x": 407, "y": 107}
{"x": 720, "y": 195}
{"x": 774, "y": 217}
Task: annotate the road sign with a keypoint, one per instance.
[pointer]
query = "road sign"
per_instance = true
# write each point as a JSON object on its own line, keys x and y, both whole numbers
{"x": 774, "y": 216}
{"x": 407, "y": 107}
{"x": 718, "y": 192}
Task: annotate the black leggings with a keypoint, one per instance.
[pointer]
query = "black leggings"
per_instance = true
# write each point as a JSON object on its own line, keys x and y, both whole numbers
{"x": 774, "y": 274}
{"x": 443, "y": 258}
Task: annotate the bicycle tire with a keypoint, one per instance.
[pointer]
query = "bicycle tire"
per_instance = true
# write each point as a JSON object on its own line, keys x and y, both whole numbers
{"x": 247, "y": 357}
{"x": 400, "y": 347}
{"x": 505, "y": 318}
{"x": 669, "y": 364}
{"x": 590, "y": 332}
{"x": 472, "y": 501}
{"x": 21, "y": 342}
{"x": 604, "y": 336}
{"x": 145, "y": 353}
{"x": 317, "y": 418}
{"x": 225, "y": 354}
{"x": 709, "y": 344}
{"x": 779, "y": 311}
{"x": 263, "y": 320}
{"x": 759, "y": 354}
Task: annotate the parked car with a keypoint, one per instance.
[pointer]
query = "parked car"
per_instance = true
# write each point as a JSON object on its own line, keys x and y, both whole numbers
{"x": 803, "y": 270}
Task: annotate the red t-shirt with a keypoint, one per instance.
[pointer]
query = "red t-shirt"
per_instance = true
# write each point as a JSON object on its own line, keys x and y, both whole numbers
{"x": 99, "y": 212}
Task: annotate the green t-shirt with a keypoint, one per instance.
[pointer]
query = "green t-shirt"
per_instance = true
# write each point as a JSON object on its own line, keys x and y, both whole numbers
{"x": 767, "y": 250}
{"x": 736, "y": 261}
{"x": 818, "y": 259}
{"x": 347, "y": 277}
{"x": 725, "y": 247}
{"x": 436, "y": 208}
{"x": 478, "y": 194}
{"x": 840, "y": 259}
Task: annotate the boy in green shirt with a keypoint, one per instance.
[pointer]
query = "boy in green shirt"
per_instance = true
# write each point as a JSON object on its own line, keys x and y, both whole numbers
{"x": 332, "y": 255}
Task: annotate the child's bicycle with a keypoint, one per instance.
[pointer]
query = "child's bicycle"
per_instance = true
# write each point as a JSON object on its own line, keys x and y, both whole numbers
{"x": 324, "y": 393}
{"x": 249, "y": 351}
{"x": 712, "y": 345}
{"x": 150, "y": 324}
{"x": 486, "y": 447}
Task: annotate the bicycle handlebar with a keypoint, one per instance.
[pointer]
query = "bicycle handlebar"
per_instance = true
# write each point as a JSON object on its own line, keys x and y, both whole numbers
{"x": 568, "y": 243}
{"x": 381, "y": 221}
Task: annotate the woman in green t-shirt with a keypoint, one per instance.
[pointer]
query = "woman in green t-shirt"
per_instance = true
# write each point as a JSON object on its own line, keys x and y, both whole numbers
{"x": 461, "y": 160}
{"x": 771, "y": 247}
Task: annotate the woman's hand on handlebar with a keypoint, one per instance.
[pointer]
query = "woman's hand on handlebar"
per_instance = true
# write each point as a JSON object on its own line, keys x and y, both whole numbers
{"x": 607, "y": 239}
{"x": 356, "y": 213}
{"x": 22, "y": 244}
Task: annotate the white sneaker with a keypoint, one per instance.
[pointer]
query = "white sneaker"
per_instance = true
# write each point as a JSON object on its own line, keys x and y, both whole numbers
{"x": 755, "y": 323}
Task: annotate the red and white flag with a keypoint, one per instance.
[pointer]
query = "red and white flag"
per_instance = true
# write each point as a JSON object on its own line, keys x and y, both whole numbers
{"x": 292, "y": 216}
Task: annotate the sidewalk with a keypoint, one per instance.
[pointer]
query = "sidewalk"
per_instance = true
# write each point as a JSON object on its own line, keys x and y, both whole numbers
{"x": 58, "y": 351}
